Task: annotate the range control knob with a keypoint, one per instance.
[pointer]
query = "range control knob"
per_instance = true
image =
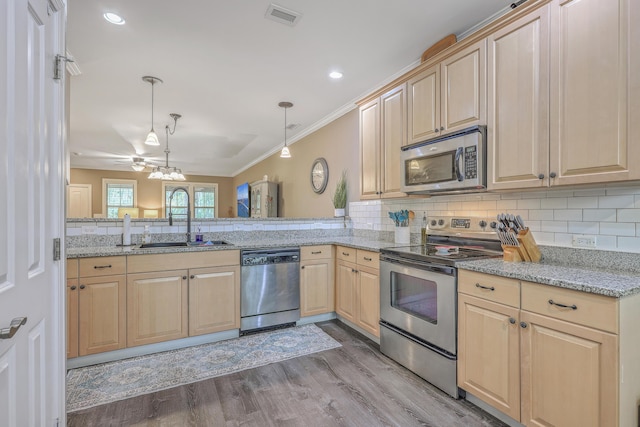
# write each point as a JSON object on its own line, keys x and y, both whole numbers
{"x": 483, "y": 223}
{"x": 441, "y": 222}
{"x": 433, "y": 222}
{"x": 493, "y": 224}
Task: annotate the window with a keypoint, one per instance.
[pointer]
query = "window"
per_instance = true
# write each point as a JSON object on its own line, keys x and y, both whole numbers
{"x": 118, "y": 193}
{"x": 203, "y": 198}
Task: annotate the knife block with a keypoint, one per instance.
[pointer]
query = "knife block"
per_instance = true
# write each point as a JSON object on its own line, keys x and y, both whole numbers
{"x": 527, "y": 250}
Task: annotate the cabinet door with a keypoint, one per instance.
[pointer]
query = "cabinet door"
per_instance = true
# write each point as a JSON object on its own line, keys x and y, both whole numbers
{"x": 156, "y": 307}
{"x": 393, "y": 137}
{"x": 346, "y": 290}
{"x": 370, "y": 150}
{"x": 518, "y": 101}
{"x": 423, "y": 105}
{"x": 569, "y": 374}
{"x": 72, "y": 318}
{"x": 594, "y": 91}
{"x": 368, "y": 300}
{"x": 464, "y": 88}
{"x": 214, "y": 299}
{"x": 489, "y": 353}
{"x": 101, "y": 314}
{"x": 316, "y": 287}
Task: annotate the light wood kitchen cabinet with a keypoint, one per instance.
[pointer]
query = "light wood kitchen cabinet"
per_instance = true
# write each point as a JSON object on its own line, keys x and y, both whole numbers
{"x": 383, "y": 131}
{"x": 101, "y": 304}
{"x": 518, "y": 102}
{"x": 317, "y": 273}
{"x": 214, "y": 299}
{"x": 72, "y": 308}
{"x": 448, "y": 96}
{"x": 157, "y": 307}
{"x": 573, "y": 351}
{"x": 358, "y": 288}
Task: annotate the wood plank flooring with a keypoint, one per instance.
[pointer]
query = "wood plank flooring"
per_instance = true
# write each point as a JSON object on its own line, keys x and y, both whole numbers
{"x": 354, "y": 385}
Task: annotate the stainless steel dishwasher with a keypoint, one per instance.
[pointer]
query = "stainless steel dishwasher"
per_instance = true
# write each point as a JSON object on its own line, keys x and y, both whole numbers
{"x": 270, "y": 288}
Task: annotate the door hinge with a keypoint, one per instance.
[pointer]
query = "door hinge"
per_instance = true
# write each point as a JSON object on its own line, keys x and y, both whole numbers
{"x": 58, "y": 70}
{"x": 56, "y": 249}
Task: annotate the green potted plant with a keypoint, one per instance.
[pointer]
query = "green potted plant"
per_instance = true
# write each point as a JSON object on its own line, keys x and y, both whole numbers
{"x": 340, "y": 195}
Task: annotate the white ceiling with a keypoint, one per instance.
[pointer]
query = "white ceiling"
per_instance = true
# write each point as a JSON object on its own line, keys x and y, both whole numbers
{"x": 225, "y": 68}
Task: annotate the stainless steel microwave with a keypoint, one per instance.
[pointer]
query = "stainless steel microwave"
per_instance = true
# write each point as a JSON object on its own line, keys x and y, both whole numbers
{"x": 453, "y": 163}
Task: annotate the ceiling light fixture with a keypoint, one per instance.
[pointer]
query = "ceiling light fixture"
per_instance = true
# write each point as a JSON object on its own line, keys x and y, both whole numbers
{"x": 138, "y": 164}
{"x": 335, "y": 75}
{"x": 152, "y": 138}
{"x": 285, "y": 154}
{"x": 167, "y": 173}
{"x": 114, "y": 18}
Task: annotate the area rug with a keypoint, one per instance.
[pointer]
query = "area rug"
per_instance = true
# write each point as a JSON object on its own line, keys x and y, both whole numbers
{"x": 109, "y": 382}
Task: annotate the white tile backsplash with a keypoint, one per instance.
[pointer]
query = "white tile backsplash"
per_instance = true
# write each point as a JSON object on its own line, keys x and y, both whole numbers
{"x": 609, "y": 212}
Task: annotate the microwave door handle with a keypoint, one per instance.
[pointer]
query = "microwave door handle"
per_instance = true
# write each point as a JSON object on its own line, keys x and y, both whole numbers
{"x": 457, "y": 163}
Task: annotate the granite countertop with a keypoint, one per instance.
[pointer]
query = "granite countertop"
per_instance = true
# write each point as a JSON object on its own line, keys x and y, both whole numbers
{"x": 354, "y": 242}
{"x": 593, "y": 280}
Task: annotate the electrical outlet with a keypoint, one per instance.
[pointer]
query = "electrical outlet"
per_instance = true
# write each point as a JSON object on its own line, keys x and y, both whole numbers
{"x": 584, "y": 241}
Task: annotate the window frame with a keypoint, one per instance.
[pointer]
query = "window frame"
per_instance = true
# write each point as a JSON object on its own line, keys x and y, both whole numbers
{"x": 107, "y": 181}
{"x": 191, "y": 190}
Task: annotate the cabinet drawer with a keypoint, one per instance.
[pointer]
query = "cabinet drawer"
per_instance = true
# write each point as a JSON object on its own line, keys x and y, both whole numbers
{"x": 492, "y": 288}
{"x": 315, "y": 252}
{"x": 102, "y": 266}
{"x": 176, "y": 261}
{"x": 367, "y": 258}
{"x": 596, "y": 311}
{"x": 346, "y": 254}
{"x": 72, "y": 268}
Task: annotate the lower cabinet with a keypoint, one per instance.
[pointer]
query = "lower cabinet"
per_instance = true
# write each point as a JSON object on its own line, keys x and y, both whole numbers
{"x": 214, "y": 299}
{"x": 157, "y": 307}
{"x": 525, "y": 350}
{"x": 317, "y": 294}
{"x": 358, "y": 288}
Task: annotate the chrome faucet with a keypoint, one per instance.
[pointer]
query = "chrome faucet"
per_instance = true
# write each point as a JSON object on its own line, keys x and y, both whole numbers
{"x": 188, "y": 211}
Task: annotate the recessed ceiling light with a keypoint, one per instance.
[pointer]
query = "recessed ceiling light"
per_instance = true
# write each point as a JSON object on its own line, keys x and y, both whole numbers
{"x": 113, "y": 18}
{"x": 335, "y": 75}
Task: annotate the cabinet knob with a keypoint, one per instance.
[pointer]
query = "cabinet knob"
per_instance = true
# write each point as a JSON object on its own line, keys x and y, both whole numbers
{"x": 441, "y": 128}
{"x": 552, "y": 175}
{"x": 512, "y": 320}
{"x": 184, "y": 277}
{"x": 73, "y": 288}
{"x": 541, "y": 176}
{"x": 82, "y": 286}
{"x": 523, "y": 324}
{"x": 302, "y": 267}
{"x": 436, "y": 130}
{"x": 192, "y": 276}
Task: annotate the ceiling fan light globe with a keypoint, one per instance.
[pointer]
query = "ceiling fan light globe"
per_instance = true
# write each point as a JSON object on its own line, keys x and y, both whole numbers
{"x": 137, "y": 167}
{"x": 152, "y": 139}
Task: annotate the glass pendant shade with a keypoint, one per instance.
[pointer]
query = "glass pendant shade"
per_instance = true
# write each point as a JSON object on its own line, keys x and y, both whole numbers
{"x": 152, "y": 138}
{"x": 166, "y": 172}
{"x": 285, "y": 153}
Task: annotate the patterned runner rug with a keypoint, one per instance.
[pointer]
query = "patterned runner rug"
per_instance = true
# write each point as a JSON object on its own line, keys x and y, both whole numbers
{"x": 113, "y": 381}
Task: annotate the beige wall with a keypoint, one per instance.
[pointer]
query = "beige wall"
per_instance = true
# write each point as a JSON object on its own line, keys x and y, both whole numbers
{"x": 337, "y": 142}
{"x": 149, "y": 191}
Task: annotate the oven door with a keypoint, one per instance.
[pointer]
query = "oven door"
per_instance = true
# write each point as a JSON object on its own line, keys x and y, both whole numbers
{"x": 420, "y": 298}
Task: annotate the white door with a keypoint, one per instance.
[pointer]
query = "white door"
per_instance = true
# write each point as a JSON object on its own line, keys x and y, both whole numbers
{"x": 79, "y": 201}
{"x": 31, "y": 213}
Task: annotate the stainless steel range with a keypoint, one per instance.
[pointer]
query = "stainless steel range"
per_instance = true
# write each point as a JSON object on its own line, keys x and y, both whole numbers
{"x": 418, "y": 296}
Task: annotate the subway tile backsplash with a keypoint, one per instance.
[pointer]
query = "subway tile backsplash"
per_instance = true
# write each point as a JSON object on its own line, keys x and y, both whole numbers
{"x": 610, "y": 212}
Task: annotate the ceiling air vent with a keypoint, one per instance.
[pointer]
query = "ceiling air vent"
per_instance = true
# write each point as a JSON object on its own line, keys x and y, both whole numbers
{"x": 282, "y": 15}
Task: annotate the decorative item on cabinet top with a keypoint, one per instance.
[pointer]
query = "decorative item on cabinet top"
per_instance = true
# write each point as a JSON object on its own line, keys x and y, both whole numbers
{"x": 339, "y": 197}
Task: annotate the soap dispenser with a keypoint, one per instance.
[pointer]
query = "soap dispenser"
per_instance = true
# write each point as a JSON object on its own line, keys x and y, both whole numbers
{"x": 423, "y": 229}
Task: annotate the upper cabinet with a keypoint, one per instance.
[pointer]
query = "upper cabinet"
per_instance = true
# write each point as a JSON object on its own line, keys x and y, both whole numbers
{"x": 562, "y": 96}
{"x": 448, "y": 96}
{"x": 383, "y": 131}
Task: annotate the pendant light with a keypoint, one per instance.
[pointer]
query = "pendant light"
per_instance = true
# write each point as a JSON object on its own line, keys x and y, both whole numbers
{"x": 152, "y": 138}
{"x": 167, "y": 173}
{"x": 285, "y": 154}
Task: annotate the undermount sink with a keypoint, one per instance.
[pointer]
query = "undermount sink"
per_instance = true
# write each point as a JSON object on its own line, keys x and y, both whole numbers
{"x": 182, "y": 244}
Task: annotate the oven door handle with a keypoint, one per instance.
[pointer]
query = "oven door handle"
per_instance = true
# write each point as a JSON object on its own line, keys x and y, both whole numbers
{"x": 419, "y": 265}
{"x": 459, "y": 175}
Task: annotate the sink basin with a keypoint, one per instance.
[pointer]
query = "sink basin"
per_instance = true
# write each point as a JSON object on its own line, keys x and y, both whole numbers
{"x": 182, "y": 244}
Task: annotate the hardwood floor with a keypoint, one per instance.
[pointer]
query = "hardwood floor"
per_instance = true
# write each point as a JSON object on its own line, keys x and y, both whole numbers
{"x": 354, "y": 385}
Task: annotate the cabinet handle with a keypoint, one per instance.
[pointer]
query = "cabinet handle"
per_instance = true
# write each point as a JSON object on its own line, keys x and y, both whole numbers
{"x": 192, "y": 276}
{"x": 541, "y": 176}
{"x": 572, "y": 307}
{"x": 512, "y": 320}
{"x": 354, "y": 271}
{"x": 368, "y": 259}
{"x": 98, "y": 267}
{"x": 490, "y": 288}
{"x": 184, "y": 277}
{"x": 523, "y": 325}
{"x": 316, "y": 252}
{"x": 345, "y": 253}
{"x": 552, "y": 175}
{"x": 82, "y": 286}
{"x": 73, "y": 288}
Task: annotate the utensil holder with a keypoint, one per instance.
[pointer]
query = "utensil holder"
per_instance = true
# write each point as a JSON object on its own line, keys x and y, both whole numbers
{"x": 511, "y": 253}
{"x": 403, "y": 235}
{"x": 527, "y": 250}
